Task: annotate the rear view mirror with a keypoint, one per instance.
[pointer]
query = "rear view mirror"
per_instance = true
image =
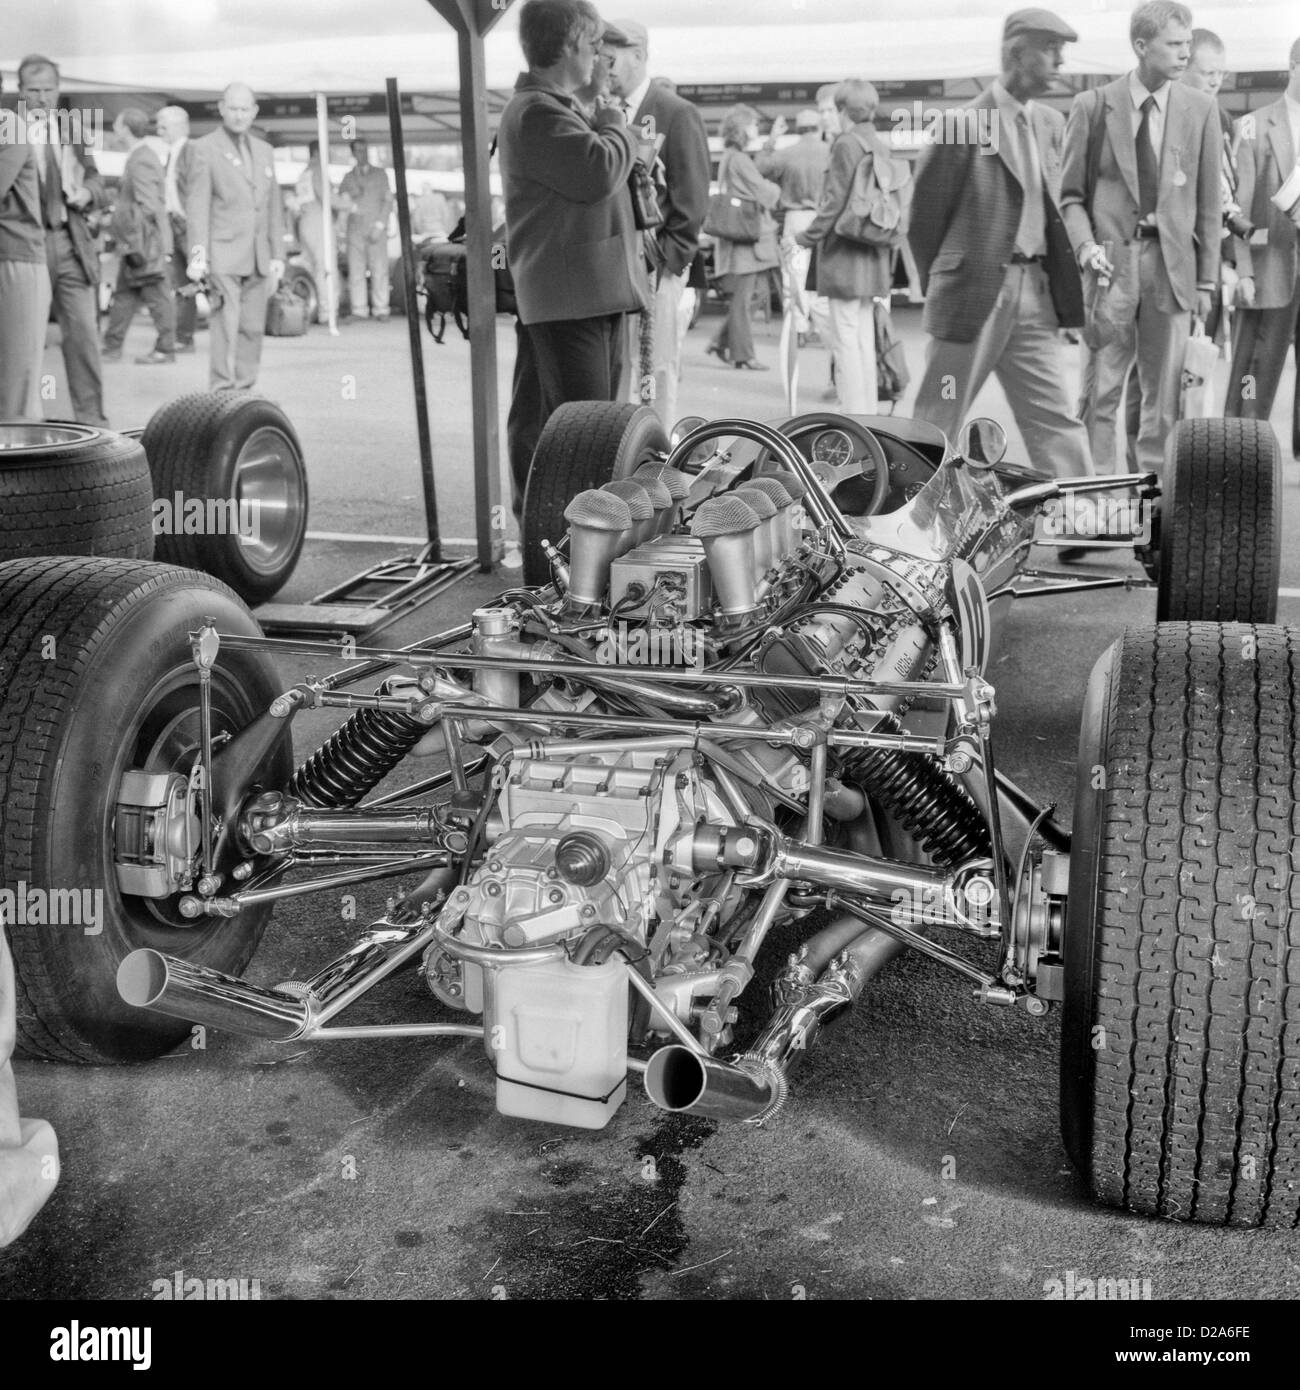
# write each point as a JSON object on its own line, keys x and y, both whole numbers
{"x": 982, "y": 442}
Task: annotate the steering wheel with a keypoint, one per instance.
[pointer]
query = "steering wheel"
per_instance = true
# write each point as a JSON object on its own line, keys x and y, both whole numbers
{"x": 833, "y": 476}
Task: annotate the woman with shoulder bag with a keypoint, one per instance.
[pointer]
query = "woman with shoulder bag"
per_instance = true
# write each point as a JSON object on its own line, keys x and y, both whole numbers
{"x": 744, "y": 191}
{"x": 851, "y": 274}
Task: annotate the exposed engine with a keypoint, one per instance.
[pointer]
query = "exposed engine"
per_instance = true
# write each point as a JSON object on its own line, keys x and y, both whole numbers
{"x": 706, "y": 725}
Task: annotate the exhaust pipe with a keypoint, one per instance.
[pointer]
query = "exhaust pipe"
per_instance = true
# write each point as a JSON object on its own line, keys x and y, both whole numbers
{"x": 753, "y": 1088}
{"x": 150, "y": 980}
{"x": 682, "y": 1081}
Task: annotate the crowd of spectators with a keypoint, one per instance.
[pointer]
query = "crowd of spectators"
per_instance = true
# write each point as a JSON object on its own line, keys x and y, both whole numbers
{"x": 1143, "y": 214}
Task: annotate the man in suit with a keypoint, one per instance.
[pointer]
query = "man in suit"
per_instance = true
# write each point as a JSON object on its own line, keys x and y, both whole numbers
{"x": 172, "y": 124}
{"x": 1141, "y": 195}
{"x": 234, "y": 223}
{"x": 24, "y": 282}
{"x": 993, "y": 255}
{"x": 71, "y": 189}
{"x": 1268, "y": 153}
{"x": 671, "y": 131}
{"x": 143, "y": 234}
{"x": 574, "y": 247}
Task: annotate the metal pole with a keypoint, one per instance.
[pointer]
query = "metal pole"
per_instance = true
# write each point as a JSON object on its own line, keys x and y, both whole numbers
{"x": 434, "y": 548}
{"x": 329, "y": 250}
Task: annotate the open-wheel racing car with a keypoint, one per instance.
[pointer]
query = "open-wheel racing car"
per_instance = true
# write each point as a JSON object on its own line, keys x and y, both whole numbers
{"x": 744, "y": 687}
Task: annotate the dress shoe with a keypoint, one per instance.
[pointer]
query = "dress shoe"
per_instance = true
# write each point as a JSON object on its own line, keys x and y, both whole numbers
{"x": 380, "y": 318}
{"x": 718, "y": 351}
{"x": 184, "y": 347}
{"x": 155, "y": 357}
{"x": 801, "y": 339}
{"x": 753, "y": 365}
{"x": 111, "y": 355}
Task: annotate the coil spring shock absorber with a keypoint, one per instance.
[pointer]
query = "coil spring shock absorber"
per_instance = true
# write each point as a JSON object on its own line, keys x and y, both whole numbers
{"x": 356, "y": 757}
{"x": 933, "y": 807}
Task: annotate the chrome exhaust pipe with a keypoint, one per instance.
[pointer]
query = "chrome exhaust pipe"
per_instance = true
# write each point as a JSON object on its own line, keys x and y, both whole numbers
{"x": 150, "y": 980}
{"x": 680, "y": 1080}
{"x": 753, "y": 1087}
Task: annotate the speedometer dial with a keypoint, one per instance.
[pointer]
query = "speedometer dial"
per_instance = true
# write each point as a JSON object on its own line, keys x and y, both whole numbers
{"x": 833, "y": 447}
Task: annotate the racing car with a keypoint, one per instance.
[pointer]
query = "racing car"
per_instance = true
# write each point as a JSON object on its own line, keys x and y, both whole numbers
{"x": 743, "y": 691}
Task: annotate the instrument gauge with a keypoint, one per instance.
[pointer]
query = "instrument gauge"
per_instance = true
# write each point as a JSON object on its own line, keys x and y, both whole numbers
{"x": 832, "y": 447}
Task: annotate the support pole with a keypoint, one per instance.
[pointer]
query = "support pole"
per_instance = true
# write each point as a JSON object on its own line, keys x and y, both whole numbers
{"x": 482, "y": 294}
{"x": 329, "y": 250}
{"x": 434, "y": 548}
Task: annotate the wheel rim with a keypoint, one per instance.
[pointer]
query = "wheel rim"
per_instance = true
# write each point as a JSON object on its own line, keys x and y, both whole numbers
{"x": 34, "y": 435}
{"x": 269, "y": 488}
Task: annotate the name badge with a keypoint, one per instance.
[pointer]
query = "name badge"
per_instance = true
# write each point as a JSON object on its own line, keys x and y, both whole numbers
{"x": 1179, "y": 178}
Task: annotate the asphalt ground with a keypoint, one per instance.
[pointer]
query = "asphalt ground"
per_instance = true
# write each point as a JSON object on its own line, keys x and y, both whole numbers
{"x": 918, "y": 1156}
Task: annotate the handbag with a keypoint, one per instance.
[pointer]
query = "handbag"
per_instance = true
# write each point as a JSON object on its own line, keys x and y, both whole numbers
{"x": 733, "y": 218}
{"x": 1199, "y": 357}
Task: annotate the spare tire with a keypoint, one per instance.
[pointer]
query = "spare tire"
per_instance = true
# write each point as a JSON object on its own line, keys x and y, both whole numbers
{"x": 70, "y": 489}
{"x": 584, "y": 444}
{"x": 231, "y": 485}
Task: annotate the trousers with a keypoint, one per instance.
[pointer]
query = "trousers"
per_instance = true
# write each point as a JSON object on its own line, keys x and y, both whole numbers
{"x": 127, "y": 298}
{"x": 1258, "y": 356}
{"x": 78, "y": 319}
{"x": 1019, "y": 344}
{"x": 237, "y": 327}
{"x": 24, "y": 309}
{"x": 671, "y": 319}
{"x": 365, "y": 256}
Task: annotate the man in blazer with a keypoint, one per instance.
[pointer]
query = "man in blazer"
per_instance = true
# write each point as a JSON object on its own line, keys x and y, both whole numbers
{"x": 994, "y": 257}
{"x": 24, "y": 283}
{"x": 574, "y": 248}
{"x": 234, "y": 222}
{"x": 1142, "y": 199}
{"x": 669, "y": 130}
{"x": 143, "y": 233}
{"x": 71, "y": 190}
{"x": 1268, "y": 268}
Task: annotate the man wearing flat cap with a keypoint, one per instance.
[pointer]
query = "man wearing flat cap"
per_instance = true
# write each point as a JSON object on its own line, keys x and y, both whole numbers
{"x": 572, "y": 241}
{"x": 672, "y": 142}
{"x": 1142, "y": 198}
{"x": 993, "y": 254}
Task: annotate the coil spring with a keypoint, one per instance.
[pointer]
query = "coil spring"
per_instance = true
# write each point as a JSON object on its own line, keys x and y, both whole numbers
{"x": 355, "y": 758}
{"x": 933, "y": 807}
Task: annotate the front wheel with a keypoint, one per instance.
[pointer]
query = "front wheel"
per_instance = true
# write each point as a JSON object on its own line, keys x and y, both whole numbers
{"x": 98, "y": 684}
{"x": 1180, "y": 1043}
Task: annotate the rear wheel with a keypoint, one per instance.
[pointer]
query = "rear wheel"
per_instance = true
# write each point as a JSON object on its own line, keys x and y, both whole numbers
{"x": 1216, "y": 542}
{"x": 1180, "y": 1058}
{"x": 99, "y": 682}
{"x": 231, "y": 485}
{"x": 73, "y": 490}
{"x": 584, "y": 445}
{"x": 301, "y": 283}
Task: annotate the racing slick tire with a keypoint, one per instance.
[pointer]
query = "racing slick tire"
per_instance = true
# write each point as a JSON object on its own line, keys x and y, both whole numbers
{"x": 1217, "y": 530}
{"x": 584, "y": 444}
{"x": 70, "y": 489}
{"x": 1180, "y": 1037}
{"x": 98, "y": 680}
{"x": 231, "y": 485}
{"x": 301, "y": 283}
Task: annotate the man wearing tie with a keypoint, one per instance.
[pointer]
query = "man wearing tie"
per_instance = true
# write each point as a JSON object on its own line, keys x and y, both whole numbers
{"x": 173, "y": 126}
{"x": 1268, "y": 263}
{"x": 994, "y": 258}
{"x": 234, "y": 222}
{"x": 669, "y": 130}
{"x": 70, "y": 189}
{"x": 1142, "y": 199}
